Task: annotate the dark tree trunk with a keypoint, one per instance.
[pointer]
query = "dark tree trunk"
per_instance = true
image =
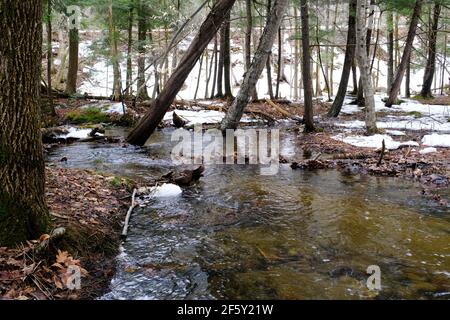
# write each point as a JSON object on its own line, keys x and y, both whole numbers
{"x": 221, "y": 64}
{"x": 236, "y": 110}
{"x": 216, "y": 54}
{"x": 227, "y": 59}
{"x": 406, "y": 54}
{"x": 117, "y": 86}
{"x": 129, "y": 49}
{"x": 72, "y": 74}
{"x": 248, "y": 42}
{"x": 431, "y": 62}
{"x": 280, "y": 51}
{"x": 23, "y": 211}
{"x": 142, "y": 93}
{"x": 306, "y": 68}
{"x": 408, "y": 79}
{"x": 269, "y": 58}
{"x": 348, "y": 62}
{"x": 354, "y": 78}
{"x": 49, "y": 58}
{"x": 390, "y": 77}
{"x": 148, "y": 124}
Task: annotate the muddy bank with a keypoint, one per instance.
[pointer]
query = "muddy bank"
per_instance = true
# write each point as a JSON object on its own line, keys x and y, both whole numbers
{"x": 91, "y": 208}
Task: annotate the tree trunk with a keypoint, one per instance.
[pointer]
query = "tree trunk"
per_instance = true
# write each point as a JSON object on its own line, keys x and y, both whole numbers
{"x": 348, "y": 62}
{"x": 431, "y": 62}
{"x": 279, "y": 60}
{"x": 306, "y": 65}
{"x": 390, "y": 23}
{"x": 221, "y": 64}
{"x": 248, "y": 42}
{"x": 49, "y": 58}
{"x": 129, "y": 48}
{"x": 360, "y": 101}
{"x": 364, "y": 66}
{"x": 408, "y": 79}
{"x": 142, "y": 92}
{"x": 23, "y": 211}
{"x": 406, "y": 54}
{"x": 117, "y": 86}
{"x": 269, "y": 58}
{"x": 72, "y": 73}
{"x": 148, "y": 124}
{"x": 227, "y": 59}
{"x": 236, "y": 110}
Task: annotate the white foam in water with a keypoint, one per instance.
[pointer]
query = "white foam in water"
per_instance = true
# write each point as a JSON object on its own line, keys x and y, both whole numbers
{"x": 77, "y": 133}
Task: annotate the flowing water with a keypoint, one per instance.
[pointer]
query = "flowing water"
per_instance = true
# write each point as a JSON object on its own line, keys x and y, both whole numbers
{"x": 297, "y": 235}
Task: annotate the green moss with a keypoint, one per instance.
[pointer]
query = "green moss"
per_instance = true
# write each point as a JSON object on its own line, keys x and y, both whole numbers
{"x": 116, "y": 182}
{"x": 88, "y": 115}
{"x": 415, "y": 114}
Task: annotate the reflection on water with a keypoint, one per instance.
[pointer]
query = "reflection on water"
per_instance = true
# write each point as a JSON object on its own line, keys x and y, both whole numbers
{"x": 297, "y": 235}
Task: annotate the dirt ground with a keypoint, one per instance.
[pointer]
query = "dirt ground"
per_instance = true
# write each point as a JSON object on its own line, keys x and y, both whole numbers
{"x": 91, "y": 208}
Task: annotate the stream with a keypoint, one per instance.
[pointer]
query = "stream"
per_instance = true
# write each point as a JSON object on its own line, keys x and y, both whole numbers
{"x": 297, "y": 235}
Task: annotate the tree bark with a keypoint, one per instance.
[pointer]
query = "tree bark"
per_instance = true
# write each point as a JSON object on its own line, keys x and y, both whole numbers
{"x": 129, "y": 49}
{"x": 23, "y": 211}
{"x": 72, "y": 73}
{"x": 269, "y": 58}
{"x": 236, "y": 110}
{"x": 306, "y": 65}
{"x": 148, "y": 124}
{"x": 221, "y": 64}
{"x": 142, "y": 92}
{"x": 348, "y": 62}
{"x": 430, "y": 68}
{"x": 248, "y": 42}
{"x": 364, "y": 66}
{"x": 117, "y": 86}
{"x": 390, "y": 23}
{"x": 227, "y": 59}
{"x": 406, "y": 54}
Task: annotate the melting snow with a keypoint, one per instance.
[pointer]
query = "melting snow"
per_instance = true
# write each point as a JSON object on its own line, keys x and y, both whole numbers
{"x": 428, "y": 150}
{"x": 77, "y": 133}
{"x": 374, "y": 141}
{"x": 166, "y": 190}
{"x": 437, "y": 140}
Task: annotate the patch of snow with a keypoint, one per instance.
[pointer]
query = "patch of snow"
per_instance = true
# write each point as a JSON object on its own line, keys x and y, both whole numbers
{"x": 428, "y": 150}
{"x": 167, "y": 190}
{"x": 396, "y": 133}
{"x": 437, "y": 140}
{"x": 396, "y": 123}
{"x": 374, "y": 141}
{"x": 197, "y": 117}
{"x": 77, "y": 133}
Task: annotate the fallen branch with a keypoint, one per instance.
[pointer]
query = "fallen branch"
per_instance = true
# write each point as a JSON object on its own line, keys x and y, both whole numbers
{"x": 127, "y": 218}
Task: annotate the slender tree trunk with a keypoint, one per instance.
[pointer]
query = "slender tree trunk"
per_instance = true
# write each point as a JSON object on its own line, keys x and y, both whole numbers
{"x": 129, "y": 49}
{"x": 406, "y": 54}
{"x": 408, "y": 79}
{"x": 280, "y": 54}
{"x": 23, "y": 211}
{"x": 236, "y": 110}
{"x": 332, "y": 50}
{"x": 431, "y": 62}
{"x": 354, "y": 77}
{"x": 269, "y": 58}
{"x": 348, "y": 62}
{"x": 221, "y": 64}
{"x": 227, "y": 59}
{"x": 199, "y": 76}
{"x": 390, "y": 24}
{"x": 159, "y": 107}
{"x": 142, "y": 91}
{"x": 364, "y": 66}
{"x": 117, "y": 86}
{"x": 72, "y": 73}
{"x": 308, "y": 118}
{"x": 360, "y": 101}
{"x": 444, "y": 63}
{"x": 296, "y": 54}
{"x": 49, "y": 58}
{"x": 216, "y": 65}
{"x": 248, "y": 42}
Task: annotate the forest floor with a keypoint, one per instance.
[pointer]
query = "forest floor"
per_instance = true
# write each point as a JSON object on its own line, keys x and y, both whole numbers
{"x": 91, "y": 208}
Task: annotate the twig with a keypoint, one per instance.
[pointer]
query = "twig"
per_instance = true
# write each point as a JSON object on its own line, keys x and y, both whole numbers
{"x": 383, "y": 149}
{"x": 127, "y": 218}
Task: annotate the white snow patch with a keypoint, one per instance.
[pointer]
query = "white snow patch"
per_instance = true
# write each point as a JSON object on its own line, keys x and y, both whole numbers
{"x": 374, "y": 141}
{"x": 197, "y": 117}
{"x": 428, "y": 150}
{"x": 396, "y": 133}
{"x": 108, "y": 107}
{"x": 437, "y": 140}
{"x": 167, "y": 190}
{"x": 77, "y": 133}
